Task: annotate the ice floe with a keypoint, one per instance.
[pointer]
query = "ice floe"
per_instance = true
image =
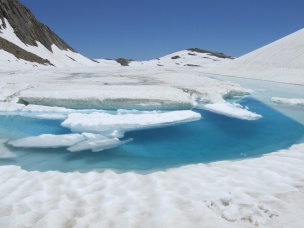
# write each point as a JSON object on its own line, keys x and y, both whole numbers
{"x": 74, "y": 142}
{"x": 48, "y": 141}
{"x": 97, "y": 143}
{"x": 105, "y": 123}
{"x": 232, "y": 110}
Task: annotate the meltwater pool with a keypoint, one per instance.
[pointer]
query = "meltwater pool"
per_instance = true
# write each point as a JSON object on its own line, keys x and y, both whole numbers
{"x": 213, "y": 138}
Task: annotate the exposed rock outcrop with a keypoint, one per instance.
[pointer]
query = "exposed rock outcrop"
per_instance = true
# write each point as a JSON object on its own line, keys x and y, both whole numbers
{"x": 21, "y": 53}
{"x": 27, "y": 28}
{"x": 213, "y": 53}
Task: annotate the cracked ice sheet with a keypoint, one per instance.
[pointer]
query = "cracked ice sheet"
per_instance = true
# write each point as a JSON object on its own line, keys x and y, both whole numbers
{"x": 105, "y": 123}
{"x": 74, "y": 142}
{"x": 108, "y": 97}
{"x": 232, "y": 110}
{"x": 260, "y": 192}
{"x": 39, "y": 111}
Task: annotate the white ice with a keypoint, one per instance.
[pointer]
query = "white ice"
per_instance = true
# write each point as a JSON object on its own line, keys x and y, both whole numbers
{"x": 47, "y": 141}
{"x": 74, "y": 142}
{"x": 105, "y": 123}
{"x": 232, "y": 110}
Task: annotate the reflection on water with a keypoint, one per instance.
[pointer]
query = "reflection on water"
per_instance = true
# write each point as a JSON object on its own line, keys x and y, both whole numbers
{"x": 212, "y": 138}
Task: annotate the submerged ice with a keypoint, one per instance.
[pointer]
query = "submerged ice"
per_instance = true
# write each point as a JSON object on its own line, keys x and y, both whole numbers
{"x": 74, "y": 142}
{"x": 161, "y": 139}
{"x": 110, "y": 127}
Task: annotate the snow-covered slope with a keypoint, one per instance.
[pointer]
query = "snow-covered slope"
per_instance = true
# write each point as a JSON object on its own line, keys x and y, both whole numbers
{"x": 190, "y": 57}
{"x": 27, "y": 43}
{"x": 58, "y": 57}
{"x": 280, "y": 61}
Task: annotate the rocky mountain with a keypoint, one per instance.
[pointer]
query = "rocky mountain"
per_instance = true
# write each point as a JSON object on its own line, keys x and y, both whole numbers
{"x": 27, "y": 28}
{"x": 31, "y": 42}
{"x": 27, "y": 43}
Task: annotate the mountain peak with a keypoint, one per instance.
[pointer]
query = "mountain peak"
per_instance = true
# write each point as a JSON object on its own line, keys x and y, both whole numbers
{"x": 27, "y": 28}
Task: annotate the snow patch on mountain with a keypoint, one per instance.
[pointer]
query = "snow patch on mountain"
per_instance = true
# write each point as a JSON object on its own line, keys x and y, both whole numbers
{"x": 58, "y": 57}
{"x": 185, "y": 58}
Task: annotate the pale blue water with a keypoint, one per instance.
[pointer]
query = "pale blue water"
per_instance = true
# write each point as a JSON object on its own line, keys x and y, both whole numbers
{"x": 213, "y": 138}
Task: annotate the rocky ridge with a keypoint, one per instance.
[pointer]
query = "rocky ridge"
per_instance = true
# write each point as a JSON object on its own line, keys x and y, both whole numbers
{"x": 27, "y": 28}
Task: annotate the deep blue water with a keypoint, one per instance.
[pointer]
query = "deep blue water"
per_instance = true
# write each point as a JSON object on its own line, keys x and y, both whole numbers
{"x": 213, "y": 138}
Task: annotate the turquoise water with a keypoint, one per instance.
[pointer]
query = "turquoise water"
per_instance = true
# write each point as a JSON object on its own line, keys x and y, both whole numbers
{"x": 213, "y": 138}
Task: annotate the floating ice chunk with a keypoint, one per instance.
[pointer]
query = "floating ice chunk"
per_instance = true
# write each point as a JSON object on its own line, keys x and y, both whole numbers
{"x": 48, "y": 141}
{"x": 74, "y": 142}
{"x": 107, "y": 123}
{"x": 289, "y": 101}
{"x": 232, "y": 110}
{"x": 97, "y": 143}
{"x": 4, "y": 152}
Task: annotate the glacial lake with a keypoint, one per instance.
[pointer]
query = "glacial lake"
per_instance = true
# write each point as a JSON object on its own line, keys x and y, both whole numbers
{"x": 213, "y": 138}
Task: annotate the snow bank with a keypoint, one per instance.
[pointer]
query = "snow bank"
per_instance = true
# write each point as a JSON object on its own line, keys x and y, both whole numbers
{"x": 232, "y": 110}
{"x": 248, "y": 193}
{"x": 105, "y": 123}
{"x": 288, "y": 101}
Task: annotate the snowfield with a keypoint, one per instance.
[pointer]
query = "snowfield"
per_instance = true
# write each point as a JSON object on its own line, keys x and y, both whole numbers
{"x": 280, "y": 61}
{"x": 261, "y": 192}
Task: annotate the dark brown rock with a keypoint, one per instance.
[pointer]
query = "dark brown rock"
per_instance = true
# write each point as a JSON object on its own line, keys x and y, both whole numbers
{"x": 217, "y": 54}
{"x": 21, "y": 53}
{"x": 27, "y": 28}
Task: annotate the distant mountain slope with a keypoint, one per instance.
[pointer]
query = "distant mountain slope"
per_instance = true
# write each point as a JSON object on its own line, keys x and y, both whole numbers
{"x": 36, "y": 43}
{"x": 280, "y": 61}
{"x": 192, "y": 57}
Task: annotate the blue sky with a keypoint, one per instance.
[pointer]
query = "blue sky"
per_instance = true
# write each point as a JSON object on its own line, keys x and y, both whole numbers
{"x": 147, "y": 29}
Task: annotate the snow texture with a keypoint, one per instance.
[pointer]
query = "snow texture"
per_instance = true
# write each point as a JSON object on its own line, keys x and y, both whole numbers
{"x": 260, "y": 192}
{"x": 108, "y": 124}
{"x": 280, "y": 61}
{"x": 184, "y": 58}
{"x": 232, "y": 110}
